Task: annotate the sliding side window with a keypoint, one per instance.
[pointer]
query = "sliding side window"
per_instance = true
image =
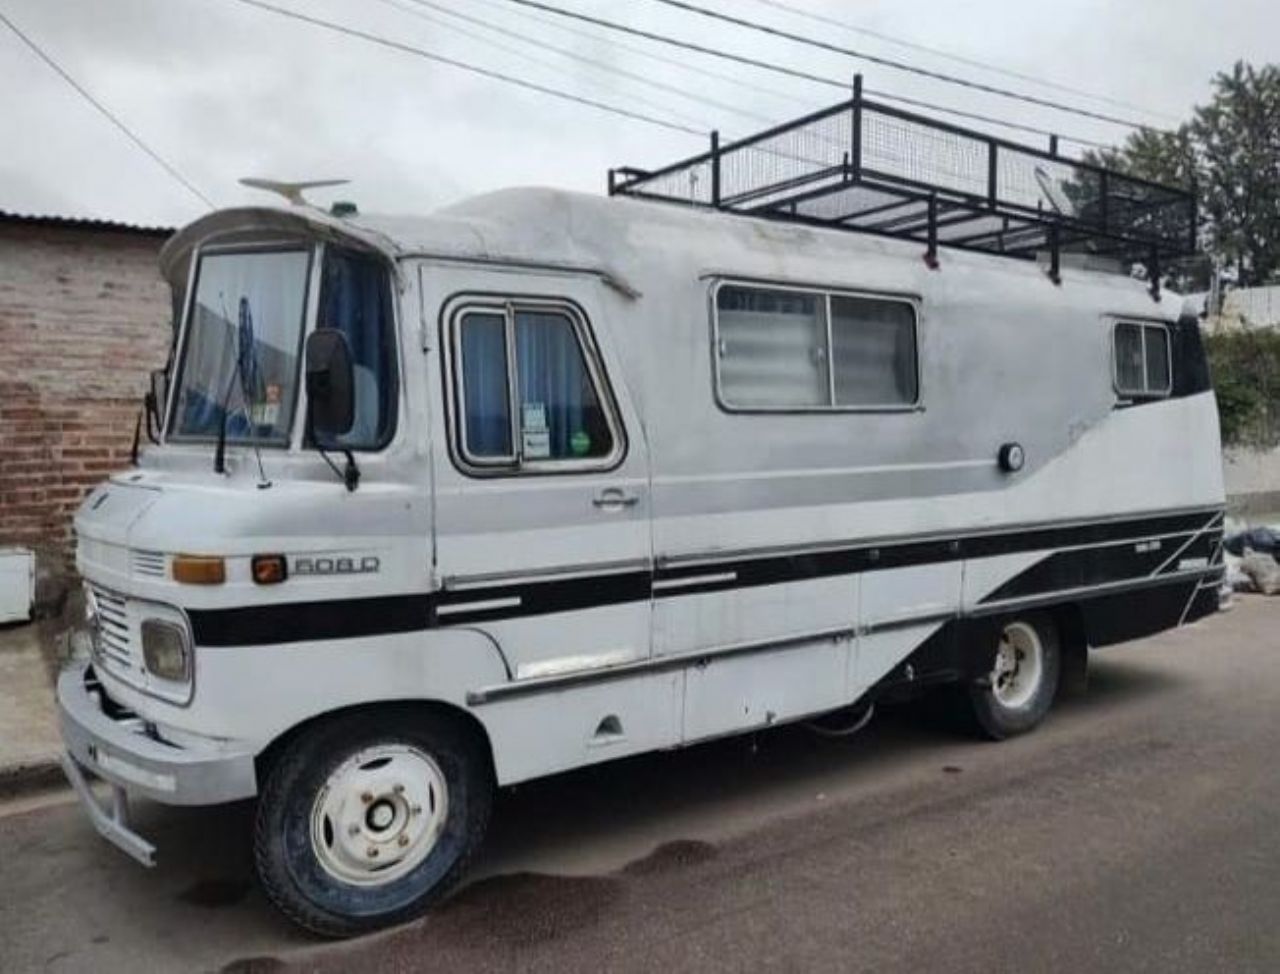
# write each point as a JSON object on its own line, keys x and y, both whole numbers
{"x": 529, "y": 391}
{"x": 1141, "y": 356}
{"x": 781, "y": 350}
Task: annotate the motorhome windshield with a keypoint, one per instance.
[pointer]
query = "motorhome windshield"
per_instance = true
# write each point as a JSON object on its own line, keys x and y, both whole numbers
{"x": 239, "y": 361}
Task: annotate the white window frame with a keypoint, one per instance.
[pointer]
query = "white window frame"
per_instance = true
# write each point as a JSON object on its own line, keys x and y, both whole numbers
{"x": 1144, "y": 393}
{"x": 514, "y": 463}
{"x": 825, "y": 294}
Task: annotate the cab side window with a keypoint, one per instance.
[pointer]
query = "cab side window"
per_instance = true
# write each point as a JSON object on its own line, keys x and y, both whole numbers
{"x": 529, "y": 391}
{"x": 355, "y": 298}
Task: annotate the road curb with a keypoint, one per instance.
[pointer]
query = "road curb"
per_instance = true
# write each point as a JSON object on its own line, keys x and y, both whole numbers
{"x": 39, "y": 774}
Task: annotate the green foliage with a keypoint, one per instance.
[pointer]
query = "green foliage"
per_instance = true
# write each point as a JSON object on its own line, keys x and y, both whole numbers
{"x": 1238, "y": 137}
{"x": 1246, "y": 377}
{"x": 1230, "y": 149}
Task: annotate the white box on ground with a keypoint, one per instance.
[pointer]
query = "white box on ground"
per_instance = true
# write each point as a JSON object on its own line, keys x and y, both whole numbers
{"x": 17, "y": 584}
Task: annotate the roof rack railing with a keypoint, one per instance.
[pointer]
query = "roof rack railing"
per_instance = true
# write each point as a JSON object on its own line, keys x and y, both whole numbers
{"x": 873, "y": 168}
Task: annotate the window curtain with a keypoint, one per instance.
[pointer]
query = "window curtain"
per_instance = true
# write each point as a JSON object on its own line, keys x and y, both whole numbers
{"x": 552, "y": 374}
{"x": 355, "y": 299}
{"x": 772, "y": 348}
{"x": 484, "y": 383}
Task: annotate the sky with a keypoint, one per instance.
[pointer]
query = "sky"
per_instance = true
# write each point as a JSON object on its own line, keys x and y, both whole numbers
{"x": 222, "y": 90}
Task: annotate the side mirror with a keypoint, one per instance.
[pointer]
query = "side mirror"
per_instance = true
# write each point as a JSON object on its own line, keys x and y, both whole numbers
{"x": 330, "y": 384}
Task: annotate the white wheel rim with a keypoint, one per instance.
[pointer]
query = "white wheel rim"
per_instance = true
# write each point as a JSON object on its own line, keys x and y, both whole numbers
{"x": 1019, "y": 666}
{"x": 379, "y": 814}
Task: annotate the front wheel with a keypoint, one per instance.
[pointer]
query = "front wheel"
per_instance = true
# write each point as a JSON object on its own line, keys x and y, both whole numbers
{"x": 1015, "y": 695}
{"x": 366, "y": 820}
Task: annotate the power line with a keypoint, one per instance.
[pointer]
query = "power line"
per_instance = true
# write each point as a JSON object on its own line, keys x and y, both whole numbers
{"x": 106, "y": 112}
{"x": 687, "y": 45}
{"x": 474, "y": 69}
{"x": 784, "y": 70}
{"x": 518, "y": 52}
{"x": 958, "y": 58}
{"x": 574, "y": 56}
{"x": 979, "y": 117}
{"x": 897, "y": 65}
{"x": 641, "y": 52}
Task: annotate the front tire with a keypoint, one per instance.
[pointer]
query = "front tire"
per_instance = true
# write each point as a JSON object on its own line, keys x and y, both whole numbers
{"x": 366, "y": 820}
{"x": 1014, "y": 696}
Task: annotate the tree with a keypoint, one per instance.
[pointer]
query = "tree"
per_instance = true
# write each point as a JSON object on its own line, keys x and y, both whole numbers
{"x": 1237, "y": 136}
{"x": 1168, "y": 157}
{"x": 1231, "y": 151}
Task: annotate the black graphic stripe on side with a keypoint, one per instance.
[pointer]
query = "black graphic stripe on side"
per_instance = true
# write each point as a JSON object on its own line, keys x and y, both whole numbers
{"x": 718, "y": 575}
{"x": 382, "y": 615}
{"x": 494, "y": 602}
{"x": 296, "y": 622}
{"x": 1083, "y": 568}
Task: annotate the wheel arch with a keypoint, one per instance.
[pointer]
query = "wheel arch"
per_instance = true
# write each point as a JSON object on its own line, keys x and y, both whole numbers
{"x": 427, "y": 708}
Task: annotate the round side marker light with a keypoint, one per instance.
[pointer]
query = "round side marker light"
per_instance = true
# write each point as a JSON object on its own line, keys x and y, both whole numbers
{"x": 1011, "y": 457}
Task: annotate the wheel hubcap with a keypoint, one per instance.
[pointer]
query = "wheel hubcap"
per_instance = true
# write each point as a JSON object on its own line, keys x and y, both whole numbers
{"x": 379, "y": 814}
{"x": 1019, "y": 665}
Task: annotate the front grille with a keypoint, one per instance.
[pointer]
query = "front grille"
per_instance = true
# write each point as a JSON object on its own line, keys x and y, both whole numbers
{"x": 150, "y": 563}
{"x": 117, "y": 641}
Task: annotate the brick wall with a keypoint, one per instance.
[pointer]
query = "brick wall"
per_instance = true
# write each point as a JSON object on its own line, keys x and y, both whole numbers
{"x": 84, "y": 316}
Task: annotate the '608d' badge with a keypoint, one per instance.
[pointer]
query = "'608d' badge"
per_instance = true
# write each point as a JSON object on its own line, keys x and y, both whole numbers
{"x": 336, "y": 565}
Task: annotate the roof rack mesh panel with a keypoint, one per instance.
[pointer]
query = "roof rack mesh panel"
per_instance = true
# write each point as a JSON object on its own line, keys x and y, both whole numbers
{"x": 875, "y": 168}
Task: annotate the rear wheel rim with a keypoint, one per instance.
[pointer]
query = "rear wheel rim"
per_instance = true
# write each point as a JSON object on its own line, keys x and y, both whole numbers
{"x": 379, "y": 814}
{"x": 1019, "y": 666}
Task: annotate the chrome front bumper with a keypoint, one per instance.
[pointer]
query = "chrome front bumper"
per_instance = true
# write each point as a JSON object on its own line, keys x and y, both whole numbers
{"x": 120, "y": 750}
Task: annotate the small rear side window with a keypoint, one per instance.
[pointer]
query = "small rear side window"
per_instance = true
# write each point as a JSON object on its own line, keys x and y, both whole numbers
{"x": 1141, "y": 359}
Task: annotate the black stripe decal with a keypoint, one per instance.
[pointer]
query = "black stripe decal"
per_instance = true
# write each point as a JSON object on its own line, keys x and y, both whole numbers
{"x": 295, "y": 622}
{"x": 352, "y": 618}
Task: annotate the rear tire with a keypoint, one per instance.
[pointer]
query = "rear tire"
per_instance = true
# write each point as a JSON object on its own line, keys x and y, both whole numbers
{"x": 366, "y": 820}
{"x": 1021, "y": 678}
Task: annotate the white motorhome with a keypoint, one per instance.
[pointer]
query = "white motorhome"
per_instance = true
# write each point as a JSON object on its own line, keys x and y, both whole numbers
{"x": 608, "y": 475}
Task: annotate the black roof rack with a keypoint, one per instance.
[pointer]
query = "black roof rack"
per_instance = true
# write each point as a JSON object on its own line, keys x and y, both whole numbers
{"x": 874, "y": 168}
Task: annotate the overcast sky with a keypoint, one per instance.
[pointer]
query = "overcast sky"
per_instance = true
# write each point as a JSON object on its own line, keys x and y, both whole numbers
{"x": 223, "y": 90}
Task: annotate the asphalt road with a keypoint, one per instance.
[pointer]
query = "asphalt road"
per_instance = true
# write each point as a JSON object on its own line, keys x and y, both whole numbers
{"x": 1137, "y": 830}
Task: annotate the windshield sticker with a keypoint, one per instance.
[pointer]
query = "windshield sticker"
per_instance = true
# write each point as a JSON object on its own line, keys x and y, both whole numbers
{"x": 267, "y": 412}
{"x": 537, "y": 444}
{"x": 534, "y": 416}
{"x": 580, "y": 443}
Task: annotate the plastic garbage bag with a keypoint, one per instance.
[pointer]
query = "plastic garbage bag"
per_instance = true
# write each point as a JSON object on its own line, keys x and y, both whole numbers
{"x": 1263, "y": 571}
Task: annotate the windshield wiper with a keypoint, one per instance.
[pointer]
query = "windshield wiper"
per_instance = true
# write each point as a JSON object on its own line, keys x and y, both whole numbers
{"x": 247, "y": 369}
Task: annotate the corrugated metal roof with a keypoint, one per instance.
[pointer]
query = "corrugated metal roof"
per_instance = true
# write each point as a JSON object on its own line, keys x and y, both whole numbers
{"x": 83, "y": 223}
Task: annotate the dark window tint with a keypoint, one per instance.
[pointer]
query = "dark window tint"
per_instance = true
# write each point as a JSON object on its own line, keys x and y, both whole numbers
{"x": 486, "y": 406}
{"x": 1157, "y": 353}
{"x": 355, "y": 298}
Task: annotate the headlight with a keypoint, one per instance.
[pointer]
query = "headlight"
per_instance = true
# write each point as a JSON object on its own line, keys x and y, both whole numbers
{"x": 165, "y": 650}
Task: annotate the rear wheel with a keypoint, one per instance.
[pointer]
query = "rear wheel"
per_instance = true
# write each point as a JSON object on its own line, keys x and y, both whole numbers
{"x": 1016, "y": 693}
{"x": 366, "y": 820}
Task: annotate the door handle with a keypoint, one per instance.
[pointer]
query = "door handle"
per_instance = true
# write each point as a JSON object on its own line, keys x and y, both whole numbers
{"x": 614, "y": 499}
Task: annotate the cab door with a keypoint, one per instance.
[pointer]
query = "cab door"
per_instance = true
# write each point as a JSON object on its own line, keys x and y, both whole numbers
{"x": 542, "y": 483}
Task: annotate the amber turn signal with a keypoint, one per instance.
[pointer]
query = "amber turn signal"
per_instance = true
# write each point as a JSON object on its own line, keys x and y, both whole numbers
{"x": 199, "y": 569}
{"x": 269, "y": 569}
